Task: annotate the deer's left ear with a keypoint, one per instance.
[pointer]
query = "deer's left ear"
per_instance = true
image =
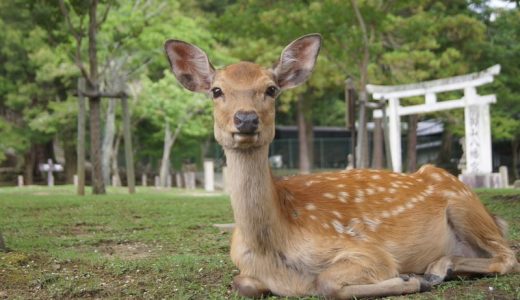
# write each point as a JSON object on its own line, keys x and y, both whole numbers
{"x": 297, "y": 61}
{"x": 190, "y": 65}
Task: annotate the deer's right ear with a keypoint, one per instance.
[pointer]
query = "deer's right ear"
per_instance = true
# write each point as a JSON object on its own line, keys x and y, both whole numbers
{"x": 190, "y": 65}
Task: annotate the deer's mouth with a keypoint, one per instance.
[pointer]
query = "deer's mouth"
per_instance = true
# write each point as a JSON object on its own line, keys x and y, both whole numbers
{"x": 245, "y": 138}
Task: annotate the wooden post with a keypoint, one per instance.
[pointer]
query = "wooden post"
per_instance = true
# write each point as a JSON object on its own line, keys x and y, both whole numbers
{"x": 20, "y": 181}
{"x": 130, "y": 175}
{"x": 81, "y": 138}
{"x": 75, "y": 180}
{"x": 144, "y": 180}
{"x": 157, "y": 183}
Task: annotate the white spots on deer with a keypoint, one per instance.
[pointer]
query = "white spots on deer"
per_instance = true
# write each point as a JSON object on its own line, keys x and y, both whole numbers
{"x": 343, "y": 196}
{"x": 385, "y": 214}
{"x": 381, "y": 189}
{"x": 350, "y": 229}
{"x": 436, "y": 176}
{"x": 325, "y": 225}
{"x": 392, "y": 190}
{"x": 313, "y": 217}
{"x": 409, "y": 205}
{"x": 311, "y": 182}
{"x": 337, "y": 226}
{"x": 329, "y": 195}
{"x": 372, "y": 223}
{"x": 331, "y": 178}
{"x": 398, "y": 210}
{"x": 359, "y": 196}
{"x": 397, "y": 184}
{"x": 337, "y": 214}
{"x": 376, "y": 177}
{"x": 388, "y": 199}
{"x": 340, "y": 186}
{"x": 310, "y": 206}
{"x": 369, "y": 191}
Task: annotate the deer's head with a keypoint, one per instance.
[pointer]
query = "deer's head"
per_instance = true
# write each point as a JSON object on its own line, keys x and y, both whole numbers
{"x": 244, "y": 93}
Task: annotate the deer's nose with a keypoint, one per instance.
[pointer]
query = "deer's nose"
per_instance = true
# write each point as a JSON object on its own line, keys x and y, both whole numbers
{"x": 246, "y": 121}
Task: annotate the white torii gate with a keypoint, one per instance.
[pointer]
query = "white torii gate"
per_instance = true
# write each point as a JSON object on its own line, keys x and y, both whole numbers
{"x": 476, "y": 113}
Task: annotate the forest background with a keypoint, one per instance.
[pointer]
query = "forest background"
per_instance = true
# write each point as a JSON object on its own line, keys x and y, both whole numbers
{"x": 45, "y": 46}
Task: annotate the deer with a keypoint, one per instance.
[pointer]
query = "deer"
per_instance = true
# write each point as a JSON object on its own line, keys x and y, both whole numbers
{"x": 341, "y": 235}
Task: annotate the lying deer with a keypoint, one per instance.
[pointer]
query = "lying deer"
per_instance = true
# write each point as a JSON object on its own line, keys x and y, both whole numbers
{"x": 339, "y": 234}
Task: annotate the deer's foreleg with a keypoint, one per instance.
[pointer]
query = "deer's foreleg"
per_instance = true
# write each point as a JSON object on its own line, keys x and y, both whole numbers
{"x": 249, "y": 287}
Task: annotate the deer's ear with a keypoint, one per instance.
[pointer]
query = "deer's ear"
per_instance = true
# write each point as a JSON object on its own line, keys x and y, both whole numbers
{"x": 297, "y": 61}
{"x": 190, "y": 65}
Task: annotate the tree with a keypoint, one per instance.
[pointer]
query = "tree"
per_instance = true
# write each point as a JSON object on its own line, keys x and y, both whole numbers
{"x": 91, "y": 76}
{"x": 29, "y": 82}
{"x": 503, "y": 47}
{"x": 177, "y": 111}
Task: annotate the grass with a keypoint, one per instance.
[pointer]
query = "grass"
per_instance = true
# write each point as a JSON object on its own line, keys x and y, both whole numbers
{"x": 155, "y": 245}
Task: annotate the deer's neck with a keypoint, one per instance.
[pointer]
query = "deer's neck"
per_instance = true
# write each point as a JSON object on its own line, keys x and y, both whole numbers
{"x": 254, "y": 198}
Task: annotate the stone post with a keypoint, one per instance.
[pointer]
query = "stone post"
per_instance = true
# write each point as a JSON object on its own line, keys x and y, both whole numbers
{"x": 144, "y": 180}
{"x": 20, "y": 181}
{"x": 209, "y": 175}
{"x": 504, "y": 176}
{"x": 224, "y": 179}
{"x": 178, "y": 180}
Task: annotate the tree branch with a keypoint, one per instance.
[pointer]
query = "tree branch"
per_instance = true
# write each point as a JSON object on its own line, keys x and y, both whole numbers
{"x": 104, "y": 17}
{"x": 65, "y": 12}
{"x": 78, "y": 36}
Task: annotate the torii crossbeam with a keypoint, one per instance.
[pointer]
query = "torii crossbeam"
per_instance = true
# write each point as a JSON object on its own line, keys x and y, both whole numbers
{"x": 476, "y": 113}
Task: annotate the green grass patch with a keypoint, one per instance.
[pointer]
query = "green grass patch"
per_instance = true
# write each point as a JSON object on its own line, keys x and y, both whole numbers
{"x": 155, "y": 244}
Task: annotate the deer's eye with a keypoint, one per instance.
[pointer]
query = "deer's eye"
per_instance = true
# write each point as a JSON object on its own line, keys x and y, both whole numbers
{"x": 271, "y": 91}
{"x": 217, "y": 92}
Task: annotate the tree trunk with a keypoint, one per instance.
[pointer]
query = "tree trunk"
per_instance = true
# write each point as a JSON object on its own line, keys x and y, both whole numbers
{"x": 3, "y": 248}
{"x": 515, "y": 143}
{"x": 446, "y": 148}
{"x": 30, "y": 159}
{"x": 165, "y": 161}
{"x": 71, "y": 167}
{"x": 377, "y": 159}
{"x": 412, "y": 143}
{"x": 108, "y": 140}
{"x": 169, "y": 141}
{"x": 98, "y": 186}
{"x": 115, "y": 154}
{"x": 303, "y": 145}
{"x": 362, "y": 141}
{"x": 309, "y": 132}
